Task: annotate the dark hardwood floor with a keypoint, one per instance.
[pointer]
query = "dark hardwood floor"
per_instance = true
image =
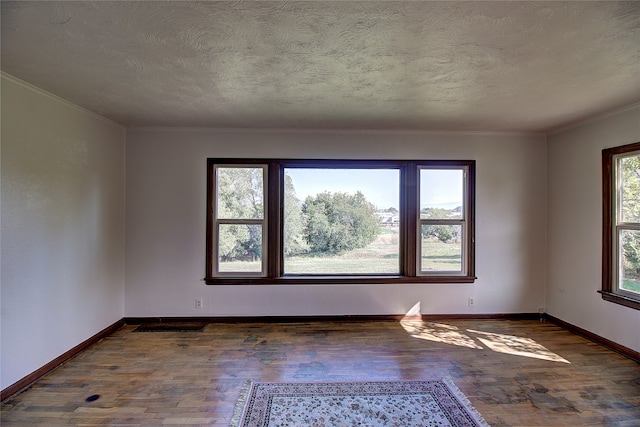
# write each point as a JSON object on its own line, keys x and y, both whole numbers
{"x": 515, "y": 372}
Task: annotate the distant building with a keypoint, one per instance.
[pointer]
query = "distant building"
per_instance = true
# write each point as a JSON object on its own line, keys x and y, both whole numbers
{"x": 388, "y": 219}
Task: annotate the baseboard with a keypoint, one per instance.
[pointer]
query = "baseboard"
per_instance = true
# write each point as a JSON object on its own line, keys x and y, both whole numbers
{"x": 27, "y": 381}
{"x": 332, "y": 318}
{"x": 625, "y": 351}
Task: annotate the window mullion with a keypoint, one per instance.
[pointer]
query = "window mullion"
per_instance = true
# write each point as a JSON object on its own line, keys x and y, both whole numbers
{"x": 628, "y": 226}
{"x": 408, "y": 226}
{"x": 241, "y": 221}
{"x": 442, "y": 221}
{"x": 275, "y": 212}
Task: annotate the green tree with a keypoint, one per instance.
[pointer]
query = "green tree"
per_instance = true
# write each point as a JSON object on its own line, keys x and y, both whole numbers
{"x": 234, "y": 243}
{"x": 444, "y": 233}
{"x": 630, "y": 191}
{"x": 294, "y": 220}
{"x": 629, "y": 169}
{"x": 240, "y": 196}
{"x": 339, "y": 222}
{"x": 631, "y": 252}
{"x": 434, "y": 213}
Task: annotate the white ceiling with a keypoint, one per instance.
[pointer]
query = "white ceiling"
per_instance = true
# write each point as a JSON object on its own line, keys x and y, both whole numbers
{"x": 463, "y": 66}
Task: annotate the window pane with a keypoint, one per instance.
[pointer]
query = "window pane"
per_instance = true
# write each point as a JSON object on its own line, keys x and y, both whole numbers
{"x": 629, "y": 170}
{"x": 441, "y": 193}
{"x": 239, "y": 248}
{"x": 630, "y": 261}
{"x": 240, "y": 193}
{"x": 341, "y": 221}
{"x": 441, "y": 248}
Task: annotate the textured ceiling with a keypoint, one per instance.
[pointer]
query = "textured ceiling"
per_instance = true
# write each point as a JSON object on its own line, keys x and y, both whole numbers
{"x": 464, "y": 66}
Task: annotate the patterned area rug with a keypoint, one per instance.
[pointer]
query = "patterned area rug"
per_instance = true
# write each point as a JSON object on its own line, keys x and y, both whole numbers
{"x": 347, "y": 404}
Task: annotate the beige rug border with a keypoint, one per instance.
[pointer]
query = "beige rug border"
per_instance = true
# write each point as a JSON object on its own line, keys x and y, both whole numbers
{"x": 245, "y": 392}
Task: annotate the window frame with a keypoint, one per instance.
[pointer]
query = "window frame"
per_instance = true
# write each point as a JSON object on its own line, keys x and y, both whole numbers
{"x": 611, "y": 225}
{"x": 463, "y": 222}
{"x": 408, "y": 228}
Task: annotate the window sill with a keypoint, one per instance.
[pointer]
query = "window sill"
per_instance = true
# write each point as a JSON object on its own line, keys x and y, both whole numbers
{"x": 336, "y": 280}
{"x": 620, "y": 299}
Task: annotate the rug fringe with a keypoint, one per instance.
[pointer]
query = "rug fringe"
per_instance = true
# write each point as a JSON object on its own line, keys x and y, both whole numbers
{"x": 238, "y": 411}
{"x": 473, "y": 412}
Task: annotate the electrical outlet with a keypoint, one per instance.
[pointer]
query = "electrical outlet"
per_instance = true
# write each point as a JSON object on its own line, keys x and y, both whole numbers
{"x": 198, "y": 303}
{"x": 470, "y": 302}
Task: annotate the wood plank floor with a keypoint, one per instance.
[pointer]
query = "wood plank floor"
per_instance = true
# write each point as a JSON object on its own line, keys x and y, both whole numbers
{"x": 516, "y": 373}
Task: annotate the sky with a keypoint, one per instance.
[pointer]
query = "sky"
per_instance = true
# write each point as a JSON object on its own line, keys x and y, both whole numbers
{"x": 380, "y": 186}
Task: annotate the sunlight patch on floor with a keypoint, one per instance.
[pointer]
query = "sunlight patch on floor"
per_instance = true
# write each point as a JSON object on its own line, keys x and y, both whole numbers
{"x": 517, "y": 346}
{"x": 478, "y": 340}
{"x": 438, "y": 332}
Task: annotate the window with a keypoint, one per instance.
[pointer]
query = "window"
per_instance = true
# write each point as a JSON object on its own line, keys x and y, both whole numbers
{"x": 239, "y": 220}
{"x": 339, "y": 221}
{"x": 442, "y": 223}
{"x": 621, "y": 225}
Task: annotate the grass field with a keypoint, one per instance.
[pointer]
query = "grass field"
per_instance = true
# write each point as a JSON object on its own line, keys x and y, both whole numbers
{"x": 380, "y": 257}
{"x": 631, "y": 285}
{"x": 438, "y": 256}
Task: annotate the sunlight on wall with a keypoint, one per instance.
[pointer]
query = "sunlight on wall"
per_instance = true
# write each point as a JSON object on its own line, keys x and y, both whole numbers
{"x": 414, "y": 312}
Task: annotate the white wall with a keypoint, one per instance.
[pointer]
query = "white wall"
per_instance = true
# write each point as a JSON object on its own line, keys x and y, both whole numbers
{"x": 575, "y": 227}
{"x": 62, "y": 260}
{"x": 165, "y": 242}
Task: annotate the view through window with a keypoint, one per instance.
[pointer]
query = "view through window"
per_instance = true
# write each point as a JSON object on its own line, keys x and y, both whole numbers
{"x": 341, "y": 221}
{"x": 442, "y": 219}
{"x": 628, "y": 224}
{"x": 240, "y": 215}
